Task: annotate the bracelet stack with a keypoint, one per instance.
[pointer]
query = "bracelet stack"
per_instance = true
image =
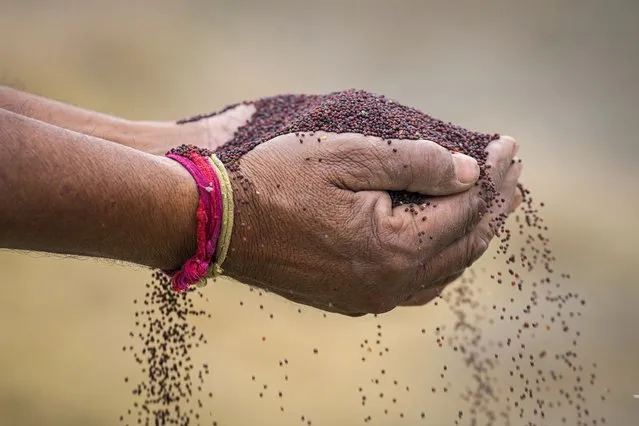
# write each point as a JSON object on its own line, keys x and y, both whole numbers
{"x": 214, "y": 217}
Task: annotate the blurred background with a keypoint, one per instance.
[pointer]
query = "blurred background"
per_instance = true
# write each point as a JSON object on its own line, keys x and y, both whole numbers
{"x": 561, "y": 76}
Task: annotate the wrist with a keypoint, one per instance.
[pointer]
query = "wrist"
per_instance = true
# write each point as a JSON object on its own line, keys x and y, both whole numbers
{"x": 214, "y": 216}
{"x": 243, "y": 254}
{"x": 177, "y": 231}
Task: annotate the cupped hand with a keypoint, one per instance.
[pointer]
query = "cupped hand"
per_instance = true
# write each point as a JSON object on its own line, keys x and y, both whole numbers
{"x": 505, "y": 174}
{"x": 315, "y": 222}
{"x": 327, "y": 236}
{"x": 209, "y": 132}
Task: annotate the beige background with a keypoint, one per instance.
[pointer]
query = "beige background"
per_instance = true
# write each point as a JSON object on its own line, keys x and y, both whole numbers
{"x": 560, "y": 76}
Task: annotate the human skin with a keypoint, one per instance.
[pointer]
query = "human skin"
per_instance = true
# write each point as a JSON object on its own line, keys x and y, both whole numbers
{"x": 154, "y": 137}
{"x": 327, "y": 236}
{"x": 69, "y": 193}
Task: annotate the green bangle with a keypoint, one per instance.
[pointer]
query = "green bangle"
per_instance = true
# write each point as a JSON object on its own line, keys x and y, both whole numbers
{"x": 228, "y": 206}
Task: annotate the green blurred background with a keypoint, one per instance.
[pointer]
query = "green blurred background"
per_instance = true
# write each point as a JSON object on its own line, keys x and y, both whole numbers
{"x": 561, "y": 76}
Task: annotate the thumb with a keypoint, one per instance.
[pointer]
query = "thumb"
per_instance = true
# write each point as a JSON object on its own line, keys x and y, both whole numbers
{"x": 374, "y": 164}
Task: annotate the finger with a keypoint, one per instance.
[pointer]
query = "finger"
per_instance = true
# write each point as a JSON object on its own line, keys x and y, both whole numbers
{"x": 506, "y": 199}
{"x": 466, "y": 250}
{"x": 500, "y": 157}
{"x": 446, "y": 219}
{"x": 519, "y": 198}
{"x": 372, "y": 164}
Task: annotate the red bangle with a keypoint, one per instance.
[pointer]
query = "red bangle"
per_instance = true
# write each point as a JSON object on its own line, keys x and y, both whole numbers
{"x": 209, "y": 214}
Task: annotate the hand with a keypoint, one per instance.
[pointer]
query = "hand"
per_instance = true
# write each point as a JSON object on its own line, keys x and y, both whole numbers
{"x": 206, "y": 132}
{"x": 479, "y": 239}
{"x": 315, "y": 224}
{"x": 371, "y": 253}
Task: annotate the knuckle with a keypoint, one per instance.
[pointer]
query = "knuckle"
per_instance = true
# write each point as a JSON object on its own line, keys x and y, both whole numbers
{"x": 360, "y": 158}
{"x": 439, "y": 165}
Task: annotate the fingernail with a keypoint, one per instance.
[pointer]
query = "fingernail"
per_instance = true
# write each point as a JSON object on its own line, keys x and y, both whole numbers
{"x": 466, "y": 168}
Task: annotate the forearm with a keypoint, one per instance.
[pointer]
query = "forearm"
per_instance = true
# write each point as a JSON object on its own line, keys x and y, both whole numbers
{"x": 142, "y": 135}
{"x": 69, "y": 193}
{"x": 155, "y": 137}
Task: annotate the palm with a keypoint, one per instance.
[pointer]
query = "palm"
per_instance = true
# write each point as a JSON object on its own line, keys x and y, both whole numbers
{"x": 205, "y": 131}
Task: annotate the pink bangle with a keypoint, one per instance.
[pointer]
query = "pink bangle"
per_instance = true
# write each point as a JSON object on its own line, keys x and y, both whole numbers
{"x": 209, "y": 215}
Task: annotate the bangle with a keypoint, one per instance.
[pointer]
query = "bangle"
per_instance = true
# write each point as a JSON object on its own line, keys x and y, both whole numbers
{"x": 228, "y": 208}
{"x": 209, "y": 215}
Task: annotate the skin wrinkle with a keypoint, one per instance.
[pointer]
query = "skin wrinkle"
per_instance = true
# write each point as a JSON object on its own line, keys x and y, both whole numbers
{"x": 413, "y": 158}
{"x": 356, "y": 161}
{"x": 390, "y": 168}
{"x": 446, "y": 169}
{"x": 355, "y": 166}
{"x": 352, "y": 157}
{"x": 374, "y": 222}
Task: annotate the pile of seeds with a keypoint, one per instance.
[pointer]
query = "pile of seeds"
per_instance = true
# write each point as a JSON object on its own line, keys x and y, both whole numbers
{"x": 548, "y": 384}
{"x": 350, "y": 111}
